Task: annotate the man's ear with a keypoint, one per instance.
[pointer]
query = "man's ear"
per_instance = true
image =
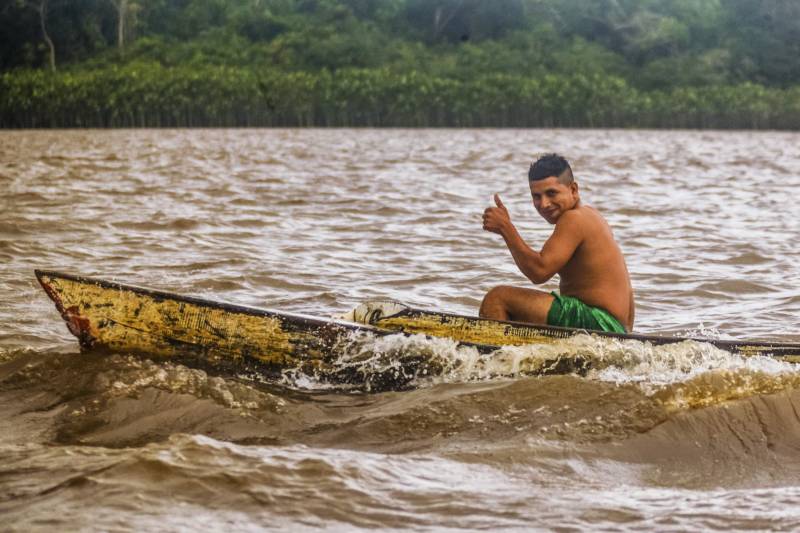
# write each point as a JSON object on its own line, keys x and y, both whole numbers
{"x": 574, "y": 187}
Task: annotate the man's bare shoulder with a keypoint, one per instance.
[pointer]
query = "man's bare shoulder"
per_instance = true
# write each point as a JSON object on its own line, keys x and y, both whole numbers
{"x": 573, "y": 225}
{"x": 585, "y": 215}
{"x": 581, "y": 215}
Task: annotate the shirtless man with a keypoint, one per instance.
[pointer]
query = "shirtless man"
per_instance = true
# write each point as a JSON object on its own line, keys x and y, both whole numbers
{"x": 595, "y": 288}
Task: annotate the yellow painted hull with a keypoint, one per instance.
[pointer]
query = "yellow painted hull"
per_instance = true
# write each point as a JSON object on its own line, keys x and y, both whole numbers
{"x": 134, "y": 319}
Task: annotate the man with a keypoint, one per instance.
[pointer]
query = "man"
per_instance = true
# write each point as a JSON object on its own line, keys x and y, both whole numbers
{"x": 595, "y": 288}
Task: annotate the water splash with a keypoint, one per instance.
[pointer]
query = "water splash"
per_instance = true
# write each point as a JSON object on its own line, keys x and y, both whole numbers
{"x": 371, "y": 363}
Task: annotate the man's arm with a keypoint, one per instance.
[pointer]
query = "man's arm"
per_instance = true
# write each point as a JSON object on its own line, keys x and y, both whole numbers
{"x": 559, "y": 248}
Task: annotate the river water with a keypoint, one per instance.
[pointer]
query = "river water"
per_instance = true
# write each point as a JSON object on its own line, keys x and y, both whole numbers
{"x": 682, "y": 437}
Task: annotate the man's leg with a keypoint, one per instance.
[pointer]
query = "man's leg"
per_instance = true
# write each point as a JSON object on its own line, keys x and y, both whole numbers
{"x": 514, "y": 303}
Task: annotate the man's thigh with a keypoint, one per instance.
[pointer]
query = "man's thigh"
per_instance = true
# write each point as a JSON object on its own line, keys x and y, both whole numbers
{"x": 526, "y": 305}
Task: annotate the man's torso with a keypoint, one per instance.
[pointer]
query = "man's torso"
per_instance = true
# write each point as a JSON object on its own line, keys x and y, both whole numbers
{"x": 596, "y": 274}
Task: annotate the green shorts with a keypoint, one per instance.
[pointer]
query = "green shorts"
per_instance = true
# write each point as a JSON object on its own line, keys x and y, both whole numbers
{"x": 570, "y": 312}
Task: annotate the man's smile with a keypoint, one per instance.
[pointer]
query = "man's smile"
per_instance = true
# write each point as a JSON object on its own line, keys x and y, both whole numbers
{"x": 549, "y": 214}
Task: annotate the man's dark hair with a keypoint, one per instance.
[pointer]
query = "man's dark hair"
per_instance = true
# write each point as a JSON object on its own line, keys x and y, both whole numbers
{"x": 551, "y": 165}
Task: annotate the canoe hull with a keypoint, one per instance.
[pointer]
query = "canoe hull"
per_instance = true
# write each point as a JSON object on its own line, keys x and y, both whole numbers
{"x": 242, "y": 340}
{"x": 135, "y": 319}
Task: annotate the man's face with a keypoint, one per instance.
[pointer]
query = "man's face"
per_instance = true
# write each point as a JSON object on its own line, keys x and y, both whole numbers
{"x": 551, "y": 198}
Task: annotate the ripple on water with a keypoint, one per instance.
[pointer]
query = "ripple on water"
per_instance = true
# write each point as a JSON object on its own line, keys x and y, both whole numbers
{"x": 692, "y": 437}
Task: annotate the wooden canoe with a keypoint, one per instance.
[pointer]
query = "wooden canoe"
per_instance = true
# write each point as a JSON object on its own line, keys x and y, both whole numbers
{"x": 243, "y": 340}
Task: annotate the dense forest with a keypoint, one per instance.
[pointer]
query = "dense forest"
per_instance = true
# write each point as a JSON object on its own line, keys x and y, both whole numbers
{"x": 522, "y": 63}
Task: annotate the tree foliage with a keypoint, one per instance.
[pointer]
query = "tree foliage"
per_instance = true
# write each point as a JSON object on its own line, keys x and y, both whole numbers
{"x": 402, "y": 62}
{"x": 146, "y": 94}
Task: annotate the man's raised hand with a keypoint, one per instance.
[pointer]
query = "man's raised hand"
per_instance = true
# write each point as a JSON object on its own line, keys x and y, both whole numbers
{"x": 496, "y": 219}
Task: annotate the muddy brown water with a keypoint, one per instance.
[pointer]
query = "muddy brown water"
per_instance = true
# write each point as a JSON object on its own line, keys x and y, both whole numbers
{"x": 680, "y": 437}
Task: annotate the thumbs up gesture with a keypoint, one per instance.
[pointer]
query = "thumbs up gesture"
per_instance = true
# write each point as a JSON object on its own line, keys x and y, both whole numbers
{"x": 496, "y": 219}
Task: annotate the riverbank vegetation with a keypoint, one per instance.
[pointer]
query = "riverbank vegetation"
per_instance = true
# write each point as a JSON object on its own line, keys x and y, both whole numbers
{"x": 502, "y": 63}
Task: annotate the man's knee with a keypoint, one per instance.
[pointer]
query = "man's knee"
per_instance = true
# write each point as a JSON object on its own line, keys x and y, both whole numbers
{"x": 499, "y": 293}
{"x": 494, "y": 304}
{"x": 505, "y": 302}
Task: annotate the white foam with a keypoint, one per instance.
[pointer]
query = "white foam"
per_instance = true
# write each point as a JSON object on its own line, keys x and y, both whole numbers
{"x": 424, "y": 360}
